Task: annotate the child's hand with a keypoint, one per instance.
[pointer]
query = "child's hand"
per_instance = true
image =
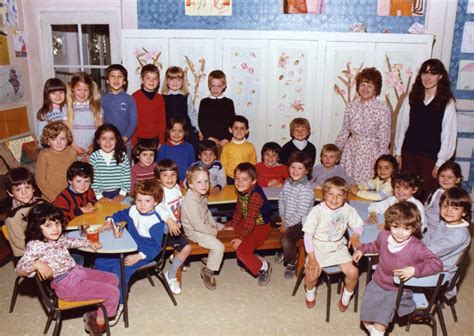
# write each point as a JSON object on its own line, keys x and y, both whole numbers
{"x": 404, "y": 273}
{"x": 213, "y": 140}
{"x": 119, "y": 198}
{"x": 45, "y": 272}
{"x": 228, "y": 228}
{"x": 354, "y": 189}
{"x": 216, "y": 190}
{"x": 125, "y": 139}
{"x": 357, "y": 255}
{"x": 222, "y": 142}
{"x": 274, "y": 183}
{"x": 201, "y": 136}
{"x": 236, "y": 243}
{"x": 372, "y": 218}
{"x": 107, "y": 226}
{"x": 95, "y": 245}
{"x": 282, "y": 227}
{"x": 381, "y": 226}
{"x": 88, "y": 208}
{"x": 89, "y": 150}
{"x": 105, "y": 200}
{"x": 132, "y": 259}
{"x": 354, "y": 241}
{"x": 173, "y": 227}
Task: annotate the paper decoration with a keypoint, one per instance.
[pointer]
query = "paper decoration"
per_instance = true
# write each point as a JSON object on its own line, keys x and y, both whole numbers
{"x": 304, "y": 6}
{"x": 208, "y": 7}
{"x": 11, "y": 86}
{"x": 11, "y": 12}
{"x": 467, "y": 45}
{"x": 4, "y": 52}
{"x": 19, "y": 43}
{"x": 466, "y": 75}
{"x": 400, "y": 7}
{"x": 470, "y": 7}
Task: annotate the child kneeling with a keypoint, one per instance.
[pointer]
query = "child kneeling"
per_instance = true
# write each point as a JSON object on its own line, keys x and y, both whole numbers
{"x": 324, "y": 240}
{"x": 198, "y": 223}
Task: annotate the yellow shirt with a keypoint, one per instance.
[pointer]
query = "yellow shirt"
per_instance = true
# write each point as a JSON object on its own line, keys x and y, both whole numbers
{"x": 234, "y": 153}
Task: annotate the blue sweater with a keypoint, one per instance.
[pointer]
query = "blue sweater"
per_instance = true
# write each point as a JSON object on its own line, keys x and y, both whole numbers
{"x": 120, "y": 110}
{"x": 182, "y": 154}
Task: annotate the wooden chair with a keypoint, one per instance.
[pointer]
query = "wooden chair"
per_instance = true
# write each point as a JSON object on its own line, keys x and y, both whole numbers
{"x": 18, "y": 278}
{"x": 56, "y": 306}
{"x": 156, "y": 268}
{"x": 425, "y": 308}
{"x": 328, "y": 275}
{"x": 453, "y": 283}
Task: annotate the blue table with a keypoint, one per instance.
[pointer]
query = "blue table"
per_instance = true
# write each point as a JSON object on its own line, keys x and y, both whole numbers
{"x": 111, "y": 245}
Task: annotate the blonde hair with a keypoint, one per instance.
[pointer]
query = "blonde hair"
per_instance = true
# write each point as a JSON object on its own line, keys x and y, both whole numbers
{"x": 94, "y": 97}
{"x": 300, "y": 122}
{"x": 217, "y": 74}
{"x": 335, "y": 182}
{"x": 331, "y": 148}
{"x": 193, "y": 170}
{"x": 175, "y": 72}
{"x": 52, "y": 130}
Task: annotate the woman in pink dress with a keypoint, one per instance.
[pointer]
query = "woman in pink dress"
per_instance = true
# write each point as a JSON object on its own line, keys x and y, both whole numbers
{"x": 365, "y": 133}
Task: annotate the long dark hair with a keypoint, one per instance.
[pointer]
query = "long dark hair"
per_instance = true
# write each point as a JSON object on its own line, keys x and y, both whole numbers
{"x": 51, "y": 85}
{"x": 119, "y": 145}
{"x": 388, "y": 158}
{"x": 39, "y": 215}
{"x": 443, "y": 91}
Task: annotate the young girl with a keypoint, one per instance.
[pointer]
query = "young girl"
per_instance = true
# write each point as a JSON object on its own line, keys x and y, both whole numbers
{"x": 47, "y": 254}
{"x": 111, "y": 165}
{"x": 54, "y": 160}
{"x": 54, "y": 98}
{"x": 324, "y": 240}
{"x": 179, "y": 103}
{"x": 405, "y": 187}
{"x": 380, "y": 187}
{"x": 300, "y": 130}
{"x": 449, "y": 176}
{"x": 84, "y": 114}
{"x": 452, "y": 236}
{"x": 402, "y": 254}
{"x": 175, "y": 148}
{"x": 144, "y": 167}
{"x": 270, "y": 172}
{"x": 21, "y": 187}
{"x": 198, "y": 223}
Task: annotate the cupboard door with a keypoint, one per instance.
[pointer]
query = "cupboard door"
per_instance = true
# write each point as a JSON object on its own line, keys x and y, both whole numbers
{"x": 246, "y": 72}
{"x": 343, "y": 62}
{"x": 291, "y": 94}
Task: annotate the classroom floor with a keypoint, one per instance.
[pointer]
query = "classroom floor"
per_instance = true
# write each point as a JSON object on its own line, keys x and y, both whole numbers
{"x": 237, "y": 307}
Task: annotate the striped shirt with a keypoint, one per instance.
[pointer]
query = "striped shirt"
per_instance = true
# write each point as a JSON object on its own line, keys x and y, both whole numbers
{"x": 109, "y": 177}
{"x": 295, "y": 201}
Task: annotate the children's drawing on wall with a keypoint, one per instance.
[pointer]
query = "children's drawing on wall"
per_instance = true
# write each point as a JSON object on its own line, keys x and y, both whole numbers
{"x": 347, "y": 80}
{"x": 4, "y": 53}
{"x": 195, "y": 74}
{"x": 208, "y": 7}
{"x": 3, "y": 18}
{"x": 470, "y": 7}
{"x": 244, "y": 81}
{"x": 19, "y": 43}
{"x": 304, "y": 6}
{"x": 467, "y": 45}
{"x": 11, "y": 87}
{"x": 400, "y": 7}
{"x": 146, "y": 56}
{"x": 466, "y": 75}
{"x": 11, "y": 12}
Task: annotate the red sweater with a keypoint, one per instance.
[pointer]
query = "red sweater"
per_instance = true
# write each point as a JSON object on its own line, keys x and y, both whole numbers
{"x": 266, "y": 174}
{"x": 151, "y": 117}
{"x": 71, "y": 203}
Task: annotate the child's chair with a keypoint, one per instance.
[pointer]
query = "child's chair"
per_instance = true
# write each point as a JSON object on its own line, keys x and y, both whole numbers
{"x": 156, "y": 268}
{"x": 56, "y": 306}
{"x": 453, "y": 283}
{"x": 425, "y": 309}
{"x": 18, "y": 278}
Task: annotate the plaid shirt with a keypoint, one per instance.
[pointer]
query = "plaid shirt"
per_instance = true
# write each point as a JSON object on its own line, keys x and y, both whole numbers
{"x": 247, "y": 213}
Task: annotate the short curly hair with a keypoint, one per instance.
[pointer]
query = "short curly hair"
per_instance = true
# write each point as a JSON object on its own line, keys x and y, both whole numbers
{"x": 52, "y": 130}
{"x": 370, "y": 75}
{"x": 404, "y": 214}
{"x": 149, "y": 187}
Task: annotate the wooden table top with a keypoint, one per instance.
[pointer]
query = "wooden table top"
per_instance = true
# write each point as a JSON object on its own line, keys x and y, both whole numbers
{"x": 97, "y": 216}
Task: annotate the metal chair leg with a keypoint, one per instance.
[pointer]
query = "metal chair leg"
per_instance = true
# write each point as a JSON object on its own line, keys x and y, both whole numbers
{"x": 453, "y": 310}
{"x": 356, "y": 297}
{"x": 162, "y": 278}
{"x": 57, "y": 326}
{"x": 15, "y": 293}
{"x": 48, "y": 322}
{"x": 408, "y": 323}
{"x": 149, "y": 278}
{"x": 328, "y": 301}
{"x": 298, "y": 282}
{"x": 433, "y": 320}
{"x": 106, "y": 319}
{"x": 442, "y": 323}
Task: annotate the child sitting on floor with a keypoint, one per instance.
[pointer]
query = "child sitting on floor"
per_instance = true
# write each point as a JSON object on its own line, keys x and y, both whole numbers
{"x": 78, "y": 198}
{"x": 198, "y": 223}
{"x": 251, "y": 221}
{"x": 329, "y": 167}
{"x": 325, "y": 243}
{"x": 270, "y": 172}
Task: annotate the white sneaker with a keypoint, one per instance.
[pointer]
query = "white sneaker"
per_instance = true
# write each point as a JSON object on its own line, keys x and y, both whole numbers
{"x": 174, "y": 285}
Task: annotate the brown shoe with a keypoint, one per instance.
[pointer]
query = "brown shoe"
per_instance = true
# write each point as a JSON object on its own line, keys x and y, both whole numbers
{"x": 342, "y": 307}
{"x": 310, "y": 304}
{"x": 91, "y": 326}
{"x": 207, "y": 277}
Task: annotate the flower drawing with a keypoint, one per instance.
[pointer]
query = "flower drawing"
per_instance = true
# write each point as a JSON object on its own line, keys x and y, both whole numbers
{"x": 145, "y": 56}
{"x": 297, "y": 106}
{"x": 347, "y": 77}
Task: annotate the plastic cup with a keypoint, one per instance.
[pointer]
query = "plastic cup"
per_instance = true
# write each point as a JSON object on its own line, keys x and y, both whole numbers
{"x": 93, "y": 235}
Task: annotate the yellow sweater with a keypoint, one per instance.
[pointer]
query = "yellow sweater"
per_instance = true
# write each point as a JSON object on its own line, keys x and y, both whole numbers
{"x": 233, "y": 154}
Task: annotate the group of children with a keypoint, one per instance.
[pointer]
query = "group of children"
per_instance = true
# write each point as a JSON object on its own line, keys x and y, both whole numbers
{"x": 94, "y": 158}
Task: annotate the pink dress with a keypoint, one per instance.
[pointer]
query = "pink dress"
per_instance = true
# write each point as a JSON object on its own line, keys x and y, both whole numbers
{"x": 365, "y": 135}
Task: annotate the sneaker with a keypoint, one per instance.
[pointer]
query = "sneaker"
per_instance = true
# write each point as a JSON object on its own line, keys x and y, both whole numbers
{"x": 279, "y": 256}
{"x": 264, "y": 276}
{"x": 174, "y": 285}
{"x": 207, "y": 277}
{"x": 118, "y": 315}
{"x": 342, "y": 307}
{"x": 91, "y": 326}
{"x": 290, "y": 271}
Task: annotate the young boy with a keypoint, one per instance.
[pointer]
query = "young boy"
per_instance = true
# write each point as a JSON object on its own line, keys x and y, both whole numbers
{"x": 251, "y": 221}
{"x": 79, "y": 197}
{"x": 151, "y": 115}
{"x": 329, "y": 167}
{"x": 216, "y": 112}
{"x": 300, "y": 130}
{"x": 144, "y": 225}
{"x": 169, "y": 210}
{"x": 270, "y": 172}
{"x": 144, "y": 167}
{"x": 238, "y": 150}
{"x": 119, "y": 107}
{"x": 295, "y": 201}
{"x": 21, "y": 186}
{"x": 207, "y": 154}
